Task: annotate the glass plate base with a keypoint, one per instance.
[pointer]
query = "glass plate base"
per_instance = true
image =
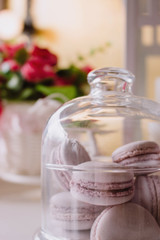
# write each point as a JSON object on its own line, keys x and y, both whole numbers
{"x": 20, "y": 179}
{"x": 42, "y": 236}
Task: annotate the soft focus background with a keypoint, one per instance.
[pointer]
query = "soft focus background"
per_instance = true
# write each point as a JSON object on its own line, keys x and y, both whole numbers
{"x": 72, "y": 28}
{"x": 80, "y": 33}
{"x": 84, "y": 34}
{"x": 91, "y": 33}
{"x": 96, "y": 30}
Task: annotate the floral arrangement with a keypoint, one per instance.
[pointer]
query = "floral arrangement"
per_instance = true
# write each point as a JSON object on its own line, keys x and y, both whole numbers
{"x": 31, "y": 72}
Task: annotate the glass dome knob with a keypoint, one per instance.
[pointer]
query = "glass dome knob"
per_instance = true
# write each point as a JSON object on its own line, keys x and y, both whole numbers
{"x": 110, "y": 79}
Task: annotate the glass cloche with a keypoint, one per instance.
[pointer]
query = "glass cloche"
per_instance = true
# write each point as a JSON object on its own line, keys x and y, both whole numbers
{"x": 101, "y": 164}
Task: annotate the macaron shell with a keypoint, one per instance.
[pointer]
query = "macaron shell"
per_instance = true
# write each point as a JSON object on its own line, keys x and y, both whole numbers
{"x": 101, "y": 198}
{"x": 72, "y": 205}
{"x": 147, "y": 194}
{"x": 143, "y": 164}
{"x": 100, "y": 186}
{"x": 68, "y": 213}
{"x": 147, "y": 160}
{"x": 102, "y": 175}
{"x": 157, "y": 187}
{"x": 72, "y": 152}
{"x": 69, "y": 152}
{"x": 63, "y": 177}
{"x": 126, "y": 221}
{"x": 134, "y": 149}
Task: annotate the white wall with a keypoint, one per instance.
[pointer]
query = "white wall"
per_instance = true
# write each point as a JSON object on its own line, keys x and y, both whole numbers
{"x": 79, "y": 26}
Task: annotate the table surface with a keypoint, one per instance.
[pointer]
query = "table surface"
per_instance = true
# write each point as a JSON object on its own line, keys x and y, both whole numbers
{"x": 20, "y": 211}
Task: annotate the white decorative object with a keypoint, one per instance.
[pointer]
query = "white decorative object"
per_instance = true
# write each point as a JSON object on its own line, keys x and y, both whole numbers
{"x": 21, "y": 128}
{"x": 157, "y": 89}
{"x": 154, "y": 127}
{"x": 142, "y": 39}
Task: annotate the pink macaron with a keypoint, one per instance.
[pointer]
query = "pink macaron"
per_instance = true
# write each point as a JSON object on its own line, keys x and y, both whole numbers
{"x": 101, "y": 184}
{"x": 147, "y": 194}
{"x": 144, "y": 155}
{"x": 126, "y": 221}
{"x": 70, "y": 214}
{"x": 68, "y": 153}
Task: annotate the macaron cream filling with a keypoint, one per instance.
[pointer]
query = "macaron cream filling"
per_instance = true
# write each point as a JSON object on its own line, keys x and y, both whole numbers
{"x": 99, "y": 192}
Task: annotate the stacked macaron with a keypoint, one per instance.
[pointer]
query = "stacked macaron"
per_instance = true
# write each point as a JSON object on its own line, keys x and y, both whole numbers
{"x": 102, "y": 197}
{"x": 147, "y": 194}
{"x": 71, "y": 214}
{"x": 140, "y": 154}
{"x": 68, "y": 152}
{"x": 126, "y": 221}
{"x": 144, "y": 158}
{"x": 98, "y": 186}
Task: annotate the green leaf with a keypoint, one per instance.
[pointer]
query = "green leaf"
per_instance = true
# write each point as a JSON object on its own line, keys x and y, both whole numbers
{"x": 1, "y": 56}
{"x": 92, "y": 52}
{"x": 69, "y": 91}
{"x": 26, "y": 93}
{"x": 80, "y": 58}
{"x": 101, "y": 49}
{"x": 21, "y": 56}
{"x": 108, "y": 44}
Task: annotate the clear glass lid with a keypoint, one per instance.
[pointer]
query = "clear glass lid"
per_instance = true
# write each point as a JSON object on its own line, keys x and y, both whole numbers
{"x": 101, "y": 152}
{"x": 107, "y": 118}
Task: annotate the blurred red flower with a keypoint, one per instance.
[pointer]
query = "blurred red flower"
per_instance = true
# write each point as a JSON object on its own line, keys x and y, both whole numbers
{"x": 87, "y": 69}
{"x": 44, "y": 55}
{"x": 1, "y": 107}
{"x": 9, "y": 50}
{"x": 36, "y": 71}
{"x": 30, "y": 72}
{"x": 10, "y": 65}
{"x": 63, "y": 81}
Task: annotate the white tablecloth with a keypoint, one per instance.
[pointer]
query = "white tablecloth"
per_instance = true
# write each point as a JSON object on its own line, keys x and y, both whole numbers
{"x": 20, "y": 211}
